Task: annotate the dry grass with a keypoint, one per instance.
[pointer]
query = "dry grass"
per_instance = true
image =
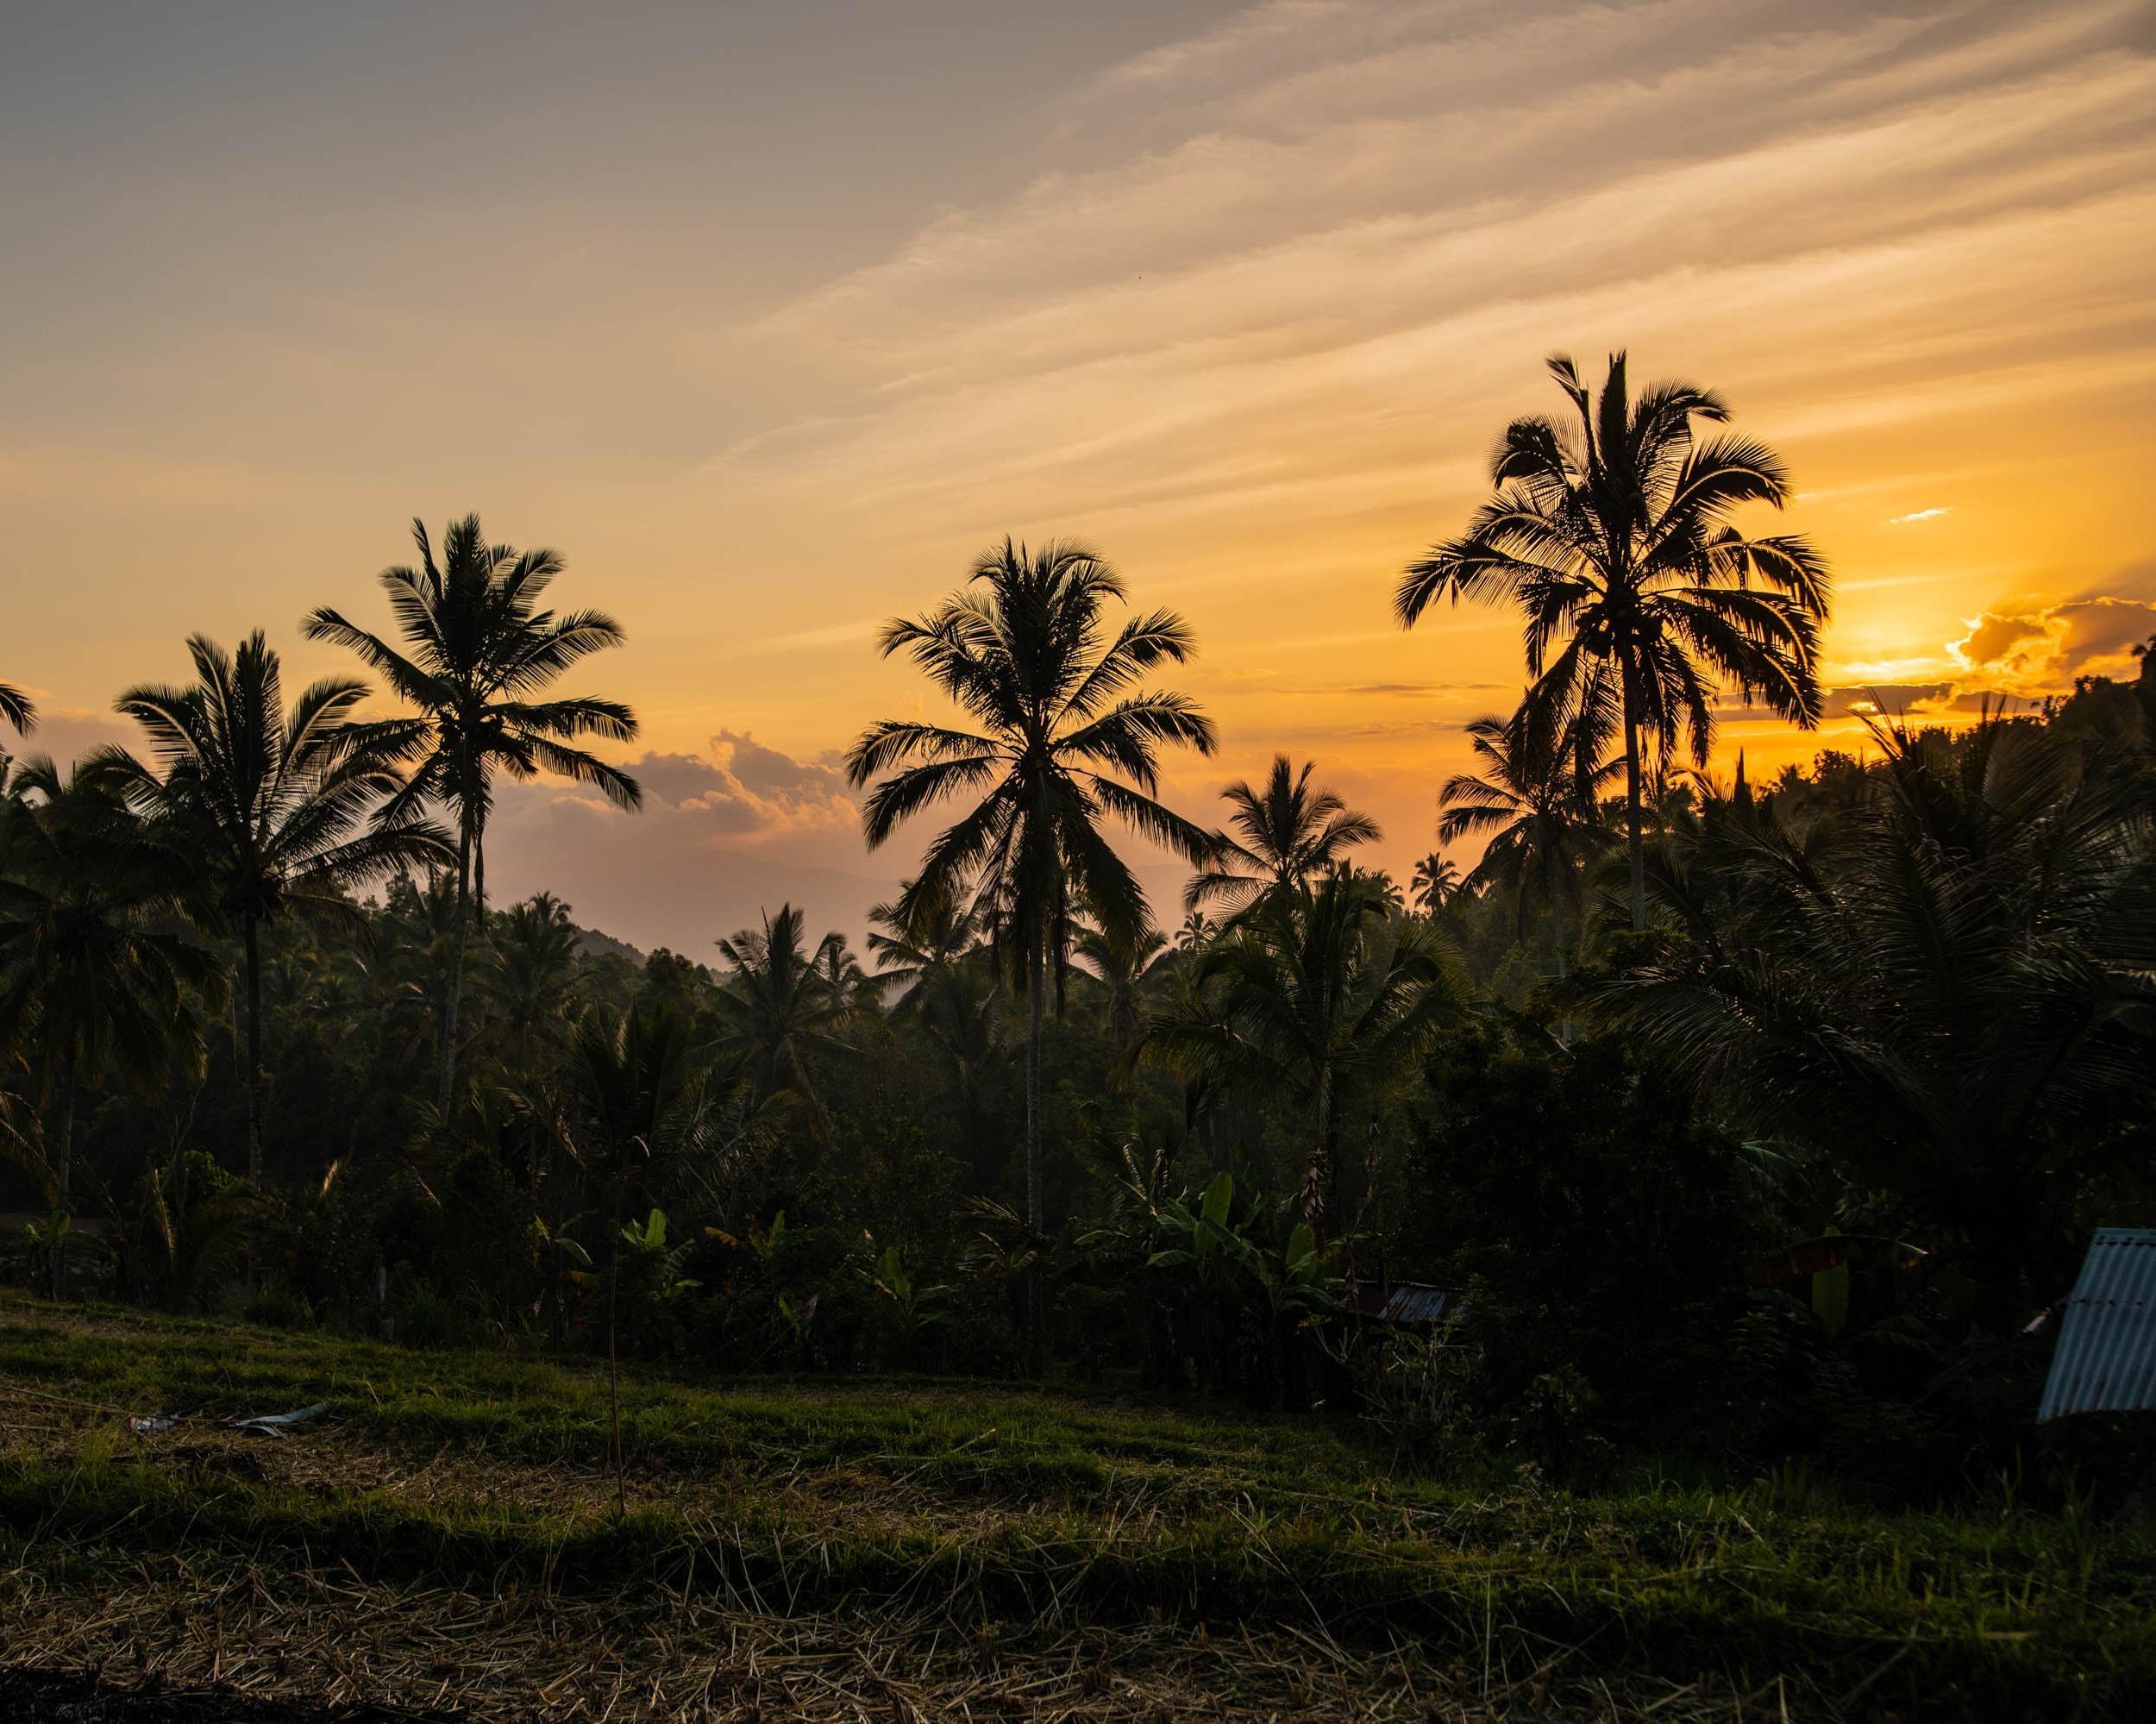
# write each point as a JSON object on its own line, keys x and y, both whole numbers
{"x": 659, "y": 1653}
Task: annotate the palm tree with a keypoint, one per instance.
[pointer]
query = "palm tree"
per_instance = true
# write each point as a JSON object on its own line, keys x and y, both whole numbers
{"x": 1612, "y": 535}
{"x": 1319, "y": 995}
{"x": 476, "y": 653}
{"x": 1122, "y": 964}
{"x": 1063, "y": 739}
{"x": 841, "y": 974}
{"x": 1536, "y": 811}
{"x": 916, "y": 953}
{"x": 1288, "y": 833}
{"x": 1437, "y": 882}
{"x": 285, "y": 811}
{"x": 781, "y": 1011}
{"x": 99, "y": 967}
{"x": 533, "y": 948}
{"x": 17, "y": 709}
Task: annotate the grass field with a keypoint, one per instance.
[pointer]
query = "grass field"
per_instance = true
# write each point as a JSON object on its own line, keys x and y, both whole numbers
{"x": 445, "y": 1537}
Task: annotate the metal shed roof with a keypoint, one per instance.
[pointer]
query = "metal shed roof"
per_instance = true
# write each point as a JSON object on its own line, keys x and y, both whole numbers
{"x": 1407, "y": 1302}
{"x": 2106, "y": 1361}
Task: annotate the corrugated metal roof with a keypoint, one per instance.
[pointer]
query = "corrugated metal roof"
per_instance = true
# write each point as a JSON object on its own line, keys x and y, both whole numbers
{"x": 1405, "y": 1301}
{"x": 2106, "y": 1361}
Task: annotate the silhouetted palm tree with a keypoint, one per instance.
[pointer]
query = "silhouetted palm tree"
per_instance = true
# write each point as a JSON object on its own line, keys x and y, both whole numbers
{"x": 17, "y": 709}
{"x": 1437, "y": 881}
{"x": 283, "y": 810}
{"x": 915, "y": 952}
{"x": 779, "y": 1009}
{"x": 476, "y": 653}
{"x": 1285, "y": 833}
{"x": 841, "y": 973}
{"x": 1319, "y": 995}
{"x": 1612, "y": 534}
{"x": 100, "y": 966}
{"x": 1063, "y": 741}
{"x": 1536, "y": 811}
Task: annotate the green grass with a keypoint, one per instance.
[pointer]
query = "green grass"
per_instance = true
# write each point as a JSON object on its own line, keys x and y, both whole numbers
{"x": 1030, "y": 1507}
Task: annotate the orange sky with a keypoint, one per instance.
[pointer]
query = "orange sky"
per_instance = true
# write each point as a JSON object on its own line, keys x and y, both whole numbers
{"x": 770, "y": 321}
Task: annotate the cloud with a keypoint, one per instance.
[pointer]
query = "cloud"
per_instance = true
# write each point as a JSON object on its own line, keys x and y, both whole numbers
{"x": 722, "y": 836}
{"x": 2042, "y": 648}
{"x": 1892, "y": 699}
{"x": 1917, "y": 514}
{"x": 1260, "y": 238}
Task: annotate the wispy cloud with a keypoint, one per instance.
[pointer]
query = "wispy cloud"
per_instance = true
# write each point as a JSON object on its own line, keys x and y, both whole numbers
{"x": 1916, "y": 514}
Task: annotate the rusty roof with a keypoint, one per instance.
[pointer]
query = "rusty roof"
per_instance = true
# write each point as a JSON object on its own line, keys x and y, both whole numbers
{"x": 2106, "y": 1361}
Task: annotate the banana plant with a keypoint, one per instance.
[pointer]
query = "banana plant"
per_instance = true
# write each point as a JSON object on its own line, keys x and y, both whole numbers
{"x": 918, "y": 1308}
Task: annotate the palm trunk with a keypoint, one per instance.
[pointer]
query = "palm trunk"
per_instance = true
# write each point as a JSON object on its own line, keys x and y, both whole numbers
{"x": 63, "y": 1169}
{"x": 1034, "y": 1005}
{"x": 453, "y": 988}
{"x": 1034, "y": 1210}
{"x": 252, "y": 942}
{"x": 1318, "y": 1174}
{"x": 1632, "y": 814}
{"x": 613, "y": 1365}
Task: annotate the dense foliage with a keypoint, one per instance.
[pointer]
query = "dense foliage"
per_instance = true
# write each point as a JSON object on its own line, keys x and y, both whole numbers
{"x": 266, "y": 1041}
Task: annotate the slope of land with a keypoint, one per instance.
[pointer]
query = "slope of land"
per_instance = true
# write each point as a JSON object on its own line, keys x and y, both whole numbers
{"x": 443, "y": 1539}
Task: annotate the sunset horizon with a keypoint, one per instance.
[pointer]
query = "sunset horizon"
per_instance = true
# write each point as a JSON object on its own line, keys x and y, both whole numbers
{"x": 1241, "y": 299}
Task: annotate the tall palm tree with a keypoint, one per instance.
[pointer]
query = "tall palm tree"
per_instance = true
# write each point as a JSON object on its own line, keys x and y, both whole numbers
{"x": 1437, "y": 882}
{"x": 100, "y": 966}
{"x": 1285, "y": 833}
{"x": 1063, "y": 738}
{"x": 476, "y": 653}
{"x": 1536, "y": 810}
{"x": 1611, "y": 529}
{"x": 284, "y": 811}
{"x": 17, "y": 709}
{"x": 1319, "y": 995}
{"x": 781, "y": 1011}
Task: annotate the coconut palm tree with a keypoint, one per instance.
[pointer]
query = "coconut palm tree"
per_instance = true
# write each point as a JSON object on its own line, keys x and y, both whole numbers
{"x": 283, "y": 810}
{"x": 1063, "y": 738}
{"x": 917, "y": 953}
{"x": 101, "y": 968}
{"x": 781, "y": 1013}
{"x": 1319, "y": 995}
{"x": 1611, "y": 530}
{"x": 476, "y": 653}
{"x": 1534, "y": 810}
{"x": 1437, "y": 882}
{"x": 1285, "y": 833}
{"x": 1122, "y": 964}
{"x": 841, "y": 973}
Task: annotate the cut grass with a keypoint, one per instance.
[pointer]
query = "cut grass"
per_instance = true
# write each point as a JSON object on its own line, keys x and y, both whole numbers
{"x": 1034, "y": 1527}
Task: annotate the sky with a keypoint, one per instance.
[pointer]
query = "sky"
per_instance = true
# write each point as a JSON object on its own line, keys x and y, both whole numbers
{"x": 768, "y": 318}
